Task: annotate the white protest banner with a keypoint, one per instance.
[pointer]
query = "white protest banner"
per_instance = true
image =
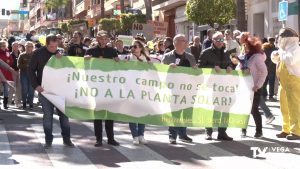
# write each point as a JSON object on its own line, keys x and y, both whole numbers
{"x": 148, "y": 93}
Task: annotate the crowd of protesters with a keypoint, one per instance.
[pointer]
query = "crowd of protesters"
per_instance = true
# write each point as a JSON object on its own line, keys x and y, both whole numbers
{"x": 22, "y": 63}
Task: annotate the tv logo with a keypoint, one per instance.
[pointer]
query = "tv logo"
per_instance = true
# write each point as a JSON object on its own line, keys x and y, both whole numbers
{"x": 257, "y": 151}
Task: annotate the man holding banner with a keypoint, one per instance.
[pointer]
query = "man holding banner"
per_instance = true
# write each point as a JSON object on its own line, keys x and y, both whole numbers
{"x": 178, "y": 57}
{"x": 36, "y": 66}
{"x": 215, "y": 57}
{"x": 102, "y": 51}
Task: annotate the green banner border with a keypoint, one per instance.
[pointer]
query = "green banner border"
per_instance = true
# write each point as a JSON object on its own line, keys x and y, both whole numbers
{"x": 108, "y": 65}
{"x": 190, "y": 117}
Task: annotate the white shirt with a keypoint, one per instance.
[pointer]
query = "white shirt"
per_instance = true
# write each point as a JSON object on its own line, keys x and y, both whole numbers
{"x": 232, "y": 44}
{"x": 291, "y": 57}
{"x": 134, "y": 58}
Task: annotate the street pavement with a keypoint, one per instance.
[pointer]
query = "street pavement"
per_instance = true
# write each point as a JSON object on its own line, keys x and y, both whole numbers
{"x": 22, "y": 139}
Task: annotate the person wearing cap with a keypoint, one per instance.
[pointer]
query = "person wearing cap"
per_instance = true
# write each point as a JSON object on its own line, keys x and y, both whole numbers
{"x": 102, "y": 51}
{"x": 208, "y": 41}
{"x": 216, "y": 57}
{"x": 288, "y": 70}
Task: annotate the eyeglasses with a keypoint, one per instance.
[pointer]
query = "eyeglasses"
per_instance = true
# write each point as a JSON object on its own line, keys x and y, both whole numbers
{"x": 160, "y": 44}
{"x": 29, "y": 46}
{"x": 135, "y": 46}
{"x": 219, "y": 40}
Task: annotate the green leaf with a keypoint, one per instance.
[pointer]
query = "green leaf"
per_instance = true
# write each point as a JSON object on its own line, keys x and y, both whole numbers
{"x": 210, "y": 11}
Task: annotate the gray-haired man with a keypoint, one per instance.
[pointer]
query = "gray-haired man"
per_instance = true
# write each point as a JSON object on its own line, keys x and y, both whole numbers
{"x": 178, "y": 57}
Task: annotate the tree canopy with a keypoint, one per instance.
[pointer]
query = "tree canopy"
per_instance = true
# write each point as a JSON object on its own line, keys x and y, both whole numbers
{"x": 56, "y": 3}
{"x": 210, "y": 11}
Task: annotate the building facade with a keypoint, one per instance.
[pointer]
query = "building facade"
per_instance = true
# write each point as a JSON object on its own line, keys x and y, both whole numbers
{"x": 40, "y": 17}
{"x": 263, "y": 17}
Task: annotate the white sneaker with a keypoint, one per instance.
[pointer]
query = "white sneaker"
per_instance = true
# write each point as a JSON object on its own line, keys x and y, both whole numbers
{"x": 270, "y": 120}
{"x": 142, "y": 140}
{"x": 135, "y": 140}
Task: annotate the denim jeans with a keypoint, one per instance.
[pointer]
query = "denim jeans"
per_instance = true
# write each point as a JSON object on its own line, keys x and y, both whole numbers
{"x": 174, "y": 131}
{"x": 48, "y": 110}
{"x": 264, "y": 107}
{"x": 137, "y": 129}
{"x": 5, "y": 89}
{"x": 27, "y": 90}
{"x": 270, "y": 80}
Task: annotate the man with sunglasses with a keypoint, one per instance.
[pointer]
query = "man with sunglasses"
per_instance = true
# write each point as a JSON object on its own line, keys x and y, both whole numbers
{"x": 216, "y": 57}
{"x": 103, "y": 51}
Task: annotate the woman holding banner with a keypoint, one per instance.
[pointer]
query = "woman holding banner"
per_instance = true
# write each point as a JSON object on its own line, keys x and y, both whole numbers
{"x": 254, "y": 61}
{"x": 138, "y": 54}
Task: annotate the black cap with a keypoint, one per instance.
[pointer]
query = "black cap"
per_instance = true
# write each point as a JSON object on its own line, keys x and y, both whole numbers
{"x": 287, "y": 32}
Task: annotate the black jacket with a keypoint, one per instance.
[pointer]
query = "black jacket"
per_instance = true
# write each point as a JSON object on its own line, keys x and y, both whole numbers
{"x": 212, "y": 57}
{"x": 268, "y": 49}
{"x": 15, "y": 63}
{"x": 76, "y": 50}
{"x": 107, "y": 52}
{"x": 36, "y": 66}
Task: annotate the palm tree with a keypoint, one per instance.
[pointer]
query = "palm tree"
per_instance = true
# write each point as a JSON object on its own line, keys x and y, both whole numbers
{"x": 241, "y": 15}
{"x": 148, "y": 5}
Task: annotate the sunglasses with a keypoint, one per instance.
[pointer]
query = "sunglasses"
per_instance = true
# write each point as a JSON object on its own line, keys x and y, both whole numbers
{"x": 219, "y": 40}
{"x": 134, "y": 46}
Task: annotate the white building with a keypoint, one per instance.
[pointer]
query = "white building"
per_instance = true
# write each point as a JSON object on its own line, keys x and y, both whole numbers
{"x": 263, "y": 17}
